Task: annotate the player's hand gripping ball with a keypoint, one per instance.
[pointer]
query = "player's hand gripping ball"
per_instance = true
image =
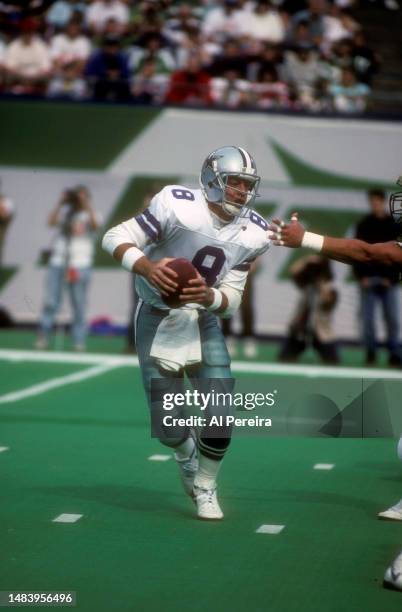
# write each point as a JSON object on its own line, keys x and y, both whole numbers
{"x": 185, "y": 271}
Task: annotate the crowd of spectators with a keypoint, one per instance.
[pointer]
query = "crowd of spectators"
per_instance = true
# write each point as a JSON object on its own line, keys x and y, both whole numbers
{"x": 266, "y": 54}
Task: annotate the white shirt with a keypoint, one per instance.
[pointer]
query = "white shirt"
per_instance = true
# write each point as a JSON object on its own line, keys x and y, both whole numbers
{"x": 66, "y": 49}
{"x": 267, "y": 27}
{"x": 28, "y": 60}
{"x": 99, "y": 13}
{"x": 73, "y": 251}
{"x": 217, "y": 21}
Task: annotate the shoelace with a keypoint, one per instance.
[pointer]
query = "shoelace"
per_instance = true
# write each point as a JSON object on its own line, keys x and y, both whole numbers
{"x": 209, "y": 493}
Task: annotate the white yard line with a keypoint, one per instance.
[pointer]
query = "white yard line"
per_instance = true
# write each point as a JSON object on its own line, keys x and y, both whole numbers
{"x": 66, "y": 357}
{"x": 308, "y": 371}
{"x": 54, "y": 383}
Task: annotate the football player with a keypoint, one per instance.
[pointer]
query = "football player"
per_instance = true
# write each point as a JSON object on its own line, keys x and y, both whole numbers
{"x": 348, "y": 250}
{"x": 216, "y": 229}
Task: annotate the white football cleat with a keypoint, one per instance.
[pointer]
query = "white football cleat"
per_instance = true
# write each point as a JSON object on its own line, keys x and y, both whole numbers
{"x": 393, "y": 575}
{"x": 188, "y": 468}
{"x": 392, "y": 514}
{"x": 207, "y": 504}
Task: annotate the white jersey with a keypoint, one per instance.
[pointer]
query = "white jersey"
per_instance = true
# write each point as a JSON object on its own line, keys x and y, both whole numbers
{"x": 178, "y": 223}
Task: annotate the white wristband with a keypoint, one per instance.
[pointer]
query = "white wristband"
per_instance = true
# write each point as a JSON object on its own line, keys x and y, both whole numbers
{"x": 218, "y": 297}
{"x": 130, "y": 257}
{"x": 312, "y": 241}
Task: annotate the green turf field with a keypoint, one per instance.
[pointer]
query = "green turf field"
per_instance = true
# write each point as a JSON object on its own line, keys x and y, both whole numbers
{"x": 83, "y": 447}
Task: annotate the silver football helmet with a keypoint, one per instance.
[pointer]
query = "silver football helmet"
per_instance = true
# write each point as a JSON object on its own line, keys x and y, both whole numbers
{"x": 215, "y": 172}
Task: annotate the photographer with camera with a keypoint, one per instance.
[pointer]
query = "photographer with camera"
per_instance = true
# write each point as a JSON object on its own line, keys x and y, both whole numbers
{"x": 311, "y": 323}
{"x": 70, "y": 263}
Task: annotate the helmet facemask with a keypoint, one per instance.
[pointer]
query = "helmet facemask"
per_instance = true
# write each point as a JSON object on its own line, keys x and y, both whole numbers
{"x": 395, "y": 207}
{"x": 237, "y": 207}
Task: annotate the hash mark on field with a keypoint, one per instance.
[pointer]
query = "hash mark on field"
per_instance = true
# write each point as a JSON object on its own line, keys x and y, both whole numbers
{"x": 67, "y": 518}
{"x": 159, "y": 458}
{"x": 270, "y": 529}
{"x": 4, "y": 448}
{"x": 324, "y": 466}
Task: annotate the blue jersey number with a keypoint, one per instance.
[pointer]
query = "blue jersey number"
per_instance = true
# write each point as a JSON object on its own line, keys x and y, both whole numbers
{"x": 209, "y": 262}
{"x": 183, "y": 194}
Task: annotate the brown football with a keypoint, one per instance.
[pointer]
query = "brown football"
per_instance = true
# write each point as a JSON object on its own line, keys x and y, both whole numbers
{"x": 185, "y": 272}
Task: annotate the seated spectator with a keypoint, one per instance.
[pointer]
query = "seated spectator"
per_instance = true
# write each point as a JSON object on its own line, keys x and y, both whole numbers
{"x": 107, "y": 72}
{"x": 269, "y": 57}
{"x": 269, "y": 91}
{"x": 59, "y": 14}
{"x": 338, "y": 25}
{"x": 152, "y": 50}
{"x": 101, "y": 11}
{"x": 27, "y": 61}
{"x": 299, "y": 35}
{"x": 194, "y": 42}
{"x": 190, "y": 85}
{"x": 70, "y": 46}
{"x": 349, "y": 95}
{"x": 185, "y": 20}
{"x": 302, "y": 69}
{"x": 365, "y": 61}
{"x": 112, "y": 27}
{"x": 341, "y": 55}
{"x": 230, "y": 91}
{"x": 265, "y": 23}
{"x": 224, "y": 21}
{"x": 231, "y": 57}
{"x": 148, "y": 86}
{"x": 147, "y": 20}
{"x": 67, "y": 84}
{"x": 314, "y": 16}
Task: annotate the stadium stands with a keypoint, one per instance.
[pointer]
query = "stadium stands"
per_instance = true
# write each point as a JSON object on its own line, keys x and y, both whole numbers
{"x": 311, "y": 55}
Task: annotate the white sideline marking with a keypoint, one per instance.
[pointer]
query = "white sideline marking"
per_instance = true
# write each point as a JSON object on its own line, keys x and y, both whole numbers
{"x": 65, "y": 357}
{"x": 159, "y": 458}
{"x": 3, "y": 449}
{"x": 270, "y": 529}
{"x": 67, "y": 518}
{"x": 324, "y": 466}
{"x": 237, "y": 366}
{"x": 54, "y": 383}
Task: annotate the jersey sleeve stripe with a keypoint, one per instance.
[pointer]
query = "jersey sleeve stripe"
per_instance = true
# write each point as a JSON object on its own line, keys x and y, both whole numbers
{"x": 152, "y": 220}
{"x": 150, "y": 232}
{"x": 243, "y": 267}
